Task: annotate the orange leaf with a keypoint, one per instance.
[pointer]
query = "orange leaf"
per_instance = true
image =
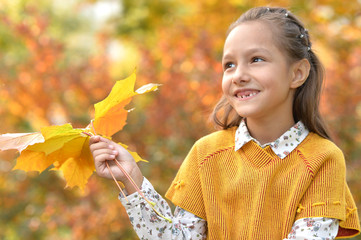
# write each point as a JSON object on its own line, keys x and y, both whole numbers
{"x": 110, "y": 114}
{"x": 32, "y": 161}
{"x": 66, "y": 148}
{"x": 78, "y": 168}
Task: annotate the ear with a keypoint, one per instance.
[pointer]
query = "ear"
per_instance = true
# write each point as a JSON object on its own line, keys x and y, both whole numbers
{"x": 301, "y": 70}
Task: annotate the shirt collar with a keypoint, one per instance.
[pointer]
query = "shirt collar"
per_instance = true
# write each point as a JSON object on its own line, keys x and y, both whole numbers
{"x": 283, "y": 146}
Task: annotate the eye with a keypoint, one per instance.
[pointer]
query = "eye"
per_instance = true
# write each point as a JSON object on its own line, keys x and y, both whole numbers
{"x": 228, "y": 65}
{"x": 257, "y": 59}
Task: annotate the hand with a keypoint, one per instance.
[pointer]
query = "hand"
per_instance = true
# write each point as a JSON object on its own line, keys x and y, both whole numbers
{"x": 105, "y": 150}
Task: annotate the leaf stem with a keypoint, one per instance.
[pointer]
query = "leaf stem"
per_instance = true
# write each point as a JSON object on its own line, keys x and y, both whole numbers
{"x": 91, "y": 123}
{"x": 152, "y": 204}
{"x": 88, "y": 134}
{"x": 115, "y": 180}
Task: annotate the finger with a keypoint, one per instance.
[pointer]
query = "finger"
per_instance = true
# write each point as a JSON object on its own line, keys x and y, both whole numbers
{"x": 104, "y": 153}
{"x": 94, "y": 139}
{"x": 100, "y": 145}
{"x": 99, "y": 160}
{"x": 106, "y": 140}
{"x": 98, "y": 139}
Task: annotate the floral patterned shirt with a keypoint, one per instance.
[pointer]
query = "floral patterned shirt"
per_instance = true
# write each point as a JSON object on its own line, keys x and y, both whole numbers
{"x": 185, "y": 225}
{"x": 314, "y": 228}
{"x": 283, "y": 146}
{"x": 149, "y": 226}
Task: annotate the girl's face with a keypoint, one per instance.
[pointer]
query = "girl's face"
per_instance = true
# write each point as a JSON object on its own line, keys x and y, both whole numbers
{"x": 257, "y": 78}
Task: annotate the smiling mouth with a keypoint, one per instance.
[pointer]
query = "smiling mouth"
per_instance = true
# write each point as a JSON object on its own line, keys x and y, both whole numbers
{"x": 247, "y": 94}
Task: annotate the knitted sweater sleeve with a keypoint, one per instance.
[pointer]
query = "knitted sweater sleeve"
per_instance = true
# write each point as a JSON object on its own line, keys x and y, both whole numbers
{"x": 328, "y": 194}
{"x": 186, "y": 182}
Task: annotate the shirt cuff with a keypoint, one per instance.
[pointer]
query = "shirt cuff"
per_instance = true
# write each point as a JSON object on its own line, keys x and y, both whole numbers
{"x": 316, "y": 228}
{"x": 135, "y": 199}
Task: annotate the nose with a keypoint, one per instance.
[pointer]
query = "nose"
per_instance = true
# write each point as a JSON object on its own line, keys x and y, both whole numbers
{"x": 240, "y": 75}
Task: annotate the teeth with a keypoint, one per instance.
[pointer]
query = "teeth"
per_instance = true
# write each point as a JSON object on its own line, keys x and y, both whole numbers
{"x": 248, "y": 95}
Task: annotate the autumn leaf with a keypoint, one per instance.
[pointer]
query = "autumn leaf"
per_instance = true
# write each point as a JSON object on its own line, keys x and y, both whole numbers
{"x": 110, "y": 114}
{"x": 55, "y": 137}
{"x": 67, "y": 148}
{"x": 79, "y": 166}
{"x": 32, "y": 161}
{"x": 135, "y": 155}
{"x": 19, "y": 141}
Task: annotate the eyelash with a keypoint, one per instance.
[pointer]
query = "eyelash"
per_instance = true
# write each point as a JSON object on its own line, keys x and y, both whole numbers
{"x": 227, "y": 65}
{"x": 253, "y": 60}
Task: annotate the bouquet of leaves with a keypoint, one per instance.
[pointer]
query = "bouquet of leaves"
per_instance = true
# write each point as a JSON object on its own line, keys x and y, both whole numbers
{"x": 66, "y": 148}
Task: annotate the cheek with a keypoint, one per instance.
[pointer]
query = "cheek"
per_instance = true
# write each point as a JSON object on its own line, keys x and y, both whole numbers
{"x": 226, "y": 83}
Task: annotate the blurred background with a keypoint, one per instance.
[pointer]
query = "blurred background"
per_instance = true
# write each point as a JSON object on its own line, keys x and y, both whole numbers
{"x": 59, "y": 57}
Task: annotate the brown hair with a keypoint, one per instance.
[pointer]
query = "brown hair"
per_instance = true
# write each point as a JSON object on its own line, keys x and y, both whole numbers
{"x": 293, "y": 39}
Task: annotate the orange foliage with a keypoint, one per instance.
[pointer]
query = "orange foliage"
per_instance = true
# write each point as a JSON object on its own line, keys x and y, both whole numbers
{"x": 180, "y": 46}
{"x": 42, "y": 92}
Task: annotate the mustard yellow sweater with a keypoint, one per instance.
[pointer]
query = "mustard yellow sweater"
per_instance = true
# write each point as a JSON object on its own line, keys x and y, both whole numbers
{"x": 253, "y": 194}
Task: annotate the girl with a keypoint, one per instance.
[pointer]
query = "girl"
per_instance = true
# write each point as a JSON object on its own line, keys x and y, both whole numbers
{"x": 272, "y": 171}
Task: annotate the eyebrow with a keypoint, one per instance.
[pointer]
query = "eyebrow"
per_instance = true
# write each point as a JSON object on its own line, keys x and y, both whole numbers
{"x": 248, "y": 51}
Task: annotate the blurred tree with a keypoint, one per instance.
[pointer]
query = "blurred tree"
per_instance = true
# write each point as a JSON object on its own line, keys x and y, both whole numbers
{"x": 54, "y": 67}
{"x": 57, "y": 64}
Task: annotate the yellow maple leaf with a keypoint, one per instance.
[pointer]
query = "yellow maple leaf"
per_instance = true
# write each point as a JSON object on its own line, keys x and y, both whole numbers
{"x": 110, "y": 115}
{"x": 32, "y": 161}
{"x": 79, "y": 167}
{"x": 67, "y": 148}
{"x": 55, "y": 137}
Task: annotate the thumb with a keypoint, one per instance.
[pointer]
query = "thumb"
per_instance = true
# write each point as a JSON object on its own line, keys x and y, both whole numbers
{"x": 97, "y": 138}
{"x": 94, "y": 139}
{"x": 106, "y": 140}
